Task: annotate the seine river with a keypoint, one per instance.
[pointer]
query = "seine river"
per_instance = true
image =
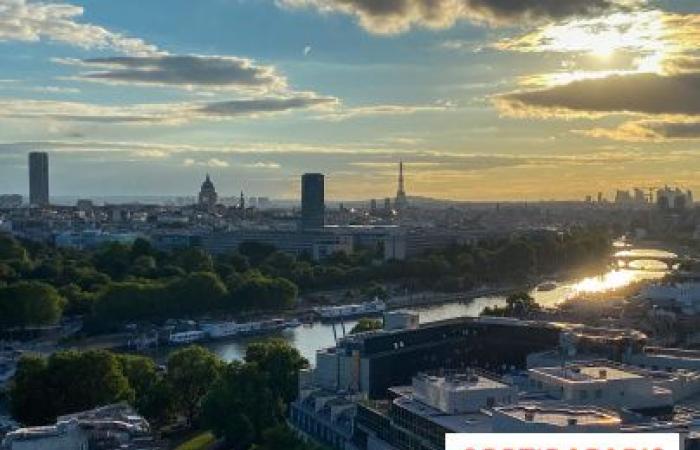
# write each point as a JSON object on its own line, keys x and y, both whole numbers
{"x": 309, "y": 338}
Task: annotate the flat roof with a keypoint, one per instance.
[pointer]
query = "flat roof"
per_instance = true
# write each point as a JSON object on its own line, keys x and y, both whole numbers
{"x": 461, "y": 382}
{"x": 583, "y": 373}
{"x": 560, "y": 416}
{"x": 458, "y": 423}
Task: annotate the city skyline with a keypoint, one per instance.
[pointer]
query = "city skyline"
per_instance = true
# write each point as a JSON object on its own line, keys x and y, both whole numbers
{"x": 569, "y": 102}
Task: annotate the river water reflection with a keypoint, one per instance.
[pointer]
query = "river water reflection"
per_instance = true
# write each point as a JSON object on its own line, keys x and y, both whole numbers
{"x": 309, "y": 338}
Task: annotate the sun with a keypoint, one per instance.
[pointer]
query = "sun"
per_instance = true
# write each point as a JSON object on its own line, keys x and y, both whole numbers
{"x": 604, "y": 52}
{"x": 639, "y": 37}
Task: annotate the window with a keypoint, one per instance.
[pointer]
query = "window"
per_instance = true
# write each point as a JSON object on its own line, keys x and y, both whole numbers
{"x": 583, "y": 395}
{"x": 598, "y": 393}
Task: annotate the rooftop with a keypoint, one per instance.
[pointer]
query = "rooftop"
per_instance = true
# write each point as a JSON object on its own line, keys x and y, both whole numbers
{"x": 560, "y": 415}
{"x": 456, "y": 423}
{"x": 585, "y": 373}
{"x": 460, "y": 382}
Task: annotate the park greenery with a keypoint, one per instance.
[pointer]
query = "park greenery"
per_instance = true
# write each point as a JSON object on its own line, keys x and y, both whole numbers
{"x": 244, "y": 403}
{"x": 366, "y": 324}
{"x": 519, "y": 305}
{"x": 119, "y": 283}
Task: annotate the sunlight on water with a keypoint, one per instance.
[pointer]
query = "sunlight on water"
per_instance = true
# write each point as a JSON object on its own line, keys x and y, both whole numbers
{"x": 309, "y": 338}
{"x": 612, "y": 280}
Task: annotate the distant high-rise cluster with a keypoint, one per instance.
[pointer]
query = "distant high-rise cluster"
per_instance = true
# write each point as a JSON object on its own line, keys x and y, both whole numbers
{"x": 673, "y": 199}
{"x": 38, "y": 178}
{"x": 665, "y": 199}
{"x": 207, "y": 194}
{"x": 313, "y": 206}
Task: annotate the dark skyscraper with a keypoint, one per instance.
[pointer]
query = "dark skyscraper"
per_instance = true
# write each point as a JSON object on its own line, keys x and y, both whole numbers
{"x": 312, "y": 201}
{"x": 39, "y": 178}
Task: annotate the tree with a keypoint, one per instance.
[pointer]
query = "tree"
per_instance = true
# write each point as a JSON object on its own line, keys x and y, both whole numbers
{"x": 195, "y": 260}
{"x": 28, "y": 390}
{"x": 241, "y": 405}
{"x": 12, "y": 250}
{"x": 158, "y": 403}
{"x": 239, "y": 262}
{"x": 144, "y": 266}
{"x": 366, "y": 324}
{"x": 198, "y": 292}
{"x": 84, "y": 380}
{"x": 29, "y": 303}
{"x": 113, "y": 259}
{"x": 77, "y": 301}
{"x": 141, "y": 247}
{"x": 281, "y": 437}
{"x": 154, "y": 397}
{"x": 257, "y": 291}
{"x": 126, "y": 301}
{"x": 520, "y": 305}
{"x": 191, "y": 372}
{"x": 142, "y": 374}
{"x": 255, "y": 252}
{"x": 281, "y": 362}
{"x": 68, "y": 382}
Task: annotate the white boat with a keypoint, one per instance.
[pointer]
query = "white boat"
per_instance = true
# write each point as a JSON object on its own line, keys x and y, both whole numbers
{"x": 187, "y": 337}
{"x": 346, "y": 311}
{"x": 219, "y": 330}
{"x": 293, "y": 323}
{"x": 547, "y": 286}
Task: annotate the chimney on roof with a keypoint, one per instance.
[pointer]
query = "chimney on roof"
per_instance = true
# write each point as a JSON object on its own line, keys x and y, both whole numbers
{"x": 602, "y": 373}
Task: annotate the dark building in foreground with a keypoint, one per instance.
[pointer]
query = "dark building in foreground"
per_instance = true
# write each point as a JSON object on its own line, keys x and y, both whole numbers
{"x": 39, "y": 178}
{"x": 312, "y": 201}
{"x": 372, "y": 363}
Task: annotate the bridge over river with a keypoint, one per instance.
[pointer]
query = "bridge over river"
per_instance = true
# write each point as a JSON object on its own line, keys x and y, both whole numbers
{"x": 625, "y": 258}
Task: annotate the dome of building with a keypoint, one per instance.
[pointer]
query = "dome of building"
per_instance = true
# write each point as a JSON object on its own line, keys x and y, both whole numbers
{"x": 207, "y": 194}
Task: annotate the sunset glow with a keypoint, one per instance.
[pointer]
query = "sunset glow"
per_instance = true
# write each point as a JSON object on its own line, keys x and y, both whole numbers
{"x": 467, "y": 95}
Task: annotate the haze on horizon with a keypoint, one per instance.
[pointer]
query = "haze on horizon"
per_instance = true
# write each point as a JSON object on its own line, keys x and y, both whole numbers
{"x": 483, "y": 99}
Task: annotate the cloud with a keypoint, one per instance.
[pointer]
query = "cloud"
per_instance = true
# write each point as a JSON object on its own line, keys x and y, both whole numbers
{"x": 56, "y": 90}
{"x": 384, "y": 110}
{"x": 258, "y": 106}
{"x": 263, "y": 165}
{"x": 648, "y": 131}
{"x": 86, "y": 112}
{"x": 644, "y": 93}
{"x": 212, "y": 162}
{"x": 396, "y": 16}
{"x": 648, "y": 40}
{"x": 164, "y": 114}
{"x": 22, "y": 20}
{"x": 185, "y": 71}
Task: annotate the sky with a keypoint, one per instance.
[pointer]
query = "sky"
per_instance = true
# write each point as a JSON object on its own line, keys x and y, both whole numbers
{"x": 481, "y": 99}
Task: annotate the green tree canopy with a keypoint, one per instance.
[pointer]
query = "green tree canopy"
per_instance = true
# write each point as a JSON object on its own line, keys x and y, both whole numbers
{"x": 366, "y": 324}
{"x": 241, "y": 405}
{"x": 29, "y": 303}
{"x": 67, "y": 382}
{"x": 191, "y": 373}
{"x": 281, "y": 362}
